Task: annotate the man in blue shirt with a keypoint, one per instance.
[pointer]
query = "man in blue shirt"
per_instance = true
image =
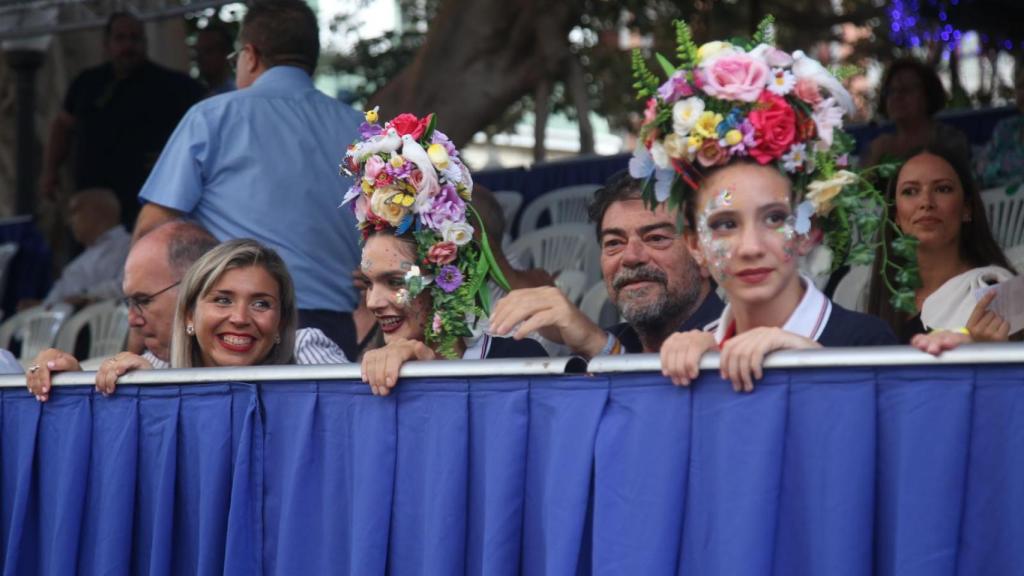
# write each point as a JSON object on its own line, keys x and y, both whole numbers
{"x": 262, "y": 162}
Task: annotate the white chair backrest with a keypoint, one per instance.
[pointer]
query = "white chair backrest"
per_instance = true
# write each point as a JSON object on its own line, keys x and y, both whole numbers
{"x": 572, "y": 283}
{"x": 36, "y": 328}
{"x": 596, "y": 306}
{"x": 1016, "y": 257}
{"x": 510, "y": 202}
{"x": 562, "y": 205}
{"x": 852, "y": 291}
{"x": 108, "y": 328}
{"x": 556, "y": 249}
{"x": 1005, "y": 216}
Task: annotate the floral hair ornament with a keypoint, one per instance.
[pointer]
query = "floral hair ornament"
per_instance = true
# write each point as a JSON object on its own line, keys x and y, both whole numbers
{"x": 725, "y": 101}
{"x": 409, "y": 180}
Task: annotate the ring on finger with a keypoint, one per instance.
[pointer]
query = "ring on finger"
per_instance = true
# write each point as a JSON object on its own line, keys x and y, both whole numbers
{"x": 33, "y": 369}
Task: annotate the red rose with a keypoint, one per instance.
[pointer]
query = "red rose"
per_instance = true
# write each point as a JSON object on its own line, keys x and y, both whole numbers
{"x": 442, "y": 253}
{"x": 410, "y": 124}
{"x": 774, "y": 128}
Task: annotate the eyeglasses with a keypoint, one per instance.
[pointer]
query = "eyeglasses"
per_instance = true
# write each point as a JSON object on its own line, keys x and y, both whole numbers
{"x": 233, "y": 58}
{"x": 142, "y": 301}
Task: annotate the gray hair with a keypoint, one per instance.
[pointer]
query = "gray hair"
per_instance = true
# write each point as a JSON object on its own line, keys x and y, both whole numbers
{"x": 201, "y": 277}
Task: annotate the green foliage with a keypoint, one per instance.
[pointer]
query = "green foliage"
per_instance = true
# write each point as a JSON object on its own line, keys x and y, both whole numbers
{"x": 646, "y": 83}
{"x": 666, "y": 66}
{"x": 686, "y": 48}
{"x": 765, "y": 33}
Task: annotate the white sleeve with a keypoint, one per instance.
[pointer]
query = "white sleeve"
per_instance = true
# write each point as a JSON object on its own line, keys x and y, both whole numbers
{"x": 312, "y": 346}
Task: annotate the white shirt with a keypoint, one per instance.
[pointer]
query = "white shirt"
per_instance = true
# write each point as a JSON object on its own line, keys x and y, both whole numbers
{"x": 950, "y": 306}
{"x": 97, "y": 272}
{"x": 312, "y": 346}
{"x": 807, "y": 320}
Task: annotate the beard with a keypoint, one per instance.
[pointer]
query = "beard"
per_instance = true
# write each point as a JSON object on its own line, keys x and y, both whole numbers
{"x": 653, "y": 308}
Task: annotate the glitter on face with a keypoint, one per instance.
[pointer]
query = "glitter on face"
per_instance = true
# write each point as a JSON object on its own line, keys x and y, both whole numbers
{"x": 718, "y": 251}
{"x": 402, "y": 297}
{"x": 788, "y": 232}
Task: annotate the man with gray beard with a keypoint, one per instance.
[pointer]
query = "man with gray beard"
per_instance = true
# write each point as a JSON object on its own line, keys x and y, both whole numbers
{"x": 651, "y": 278}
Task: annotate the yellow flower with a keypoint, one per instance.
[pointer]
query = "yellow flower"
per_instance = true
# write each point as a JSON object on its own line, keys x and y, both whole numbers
{"x": 396, "y": 160}
{"x": 733, "y": 137}
{"x": 371, "y": 115}
{"x": 713, "y": 49}
{"x": 438, "y": 156}
{"x": 693, "y": 143}
{"x": 387, "y": 203}
{"x": 821, "y": 192}
{"x": 367, "y": 187}
{"x": 707, "y": 125}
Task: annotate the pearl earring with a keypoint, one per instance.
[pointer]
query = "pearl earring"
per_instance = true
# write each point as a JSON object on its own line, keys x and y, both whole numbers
{"x": 190, "y": 330}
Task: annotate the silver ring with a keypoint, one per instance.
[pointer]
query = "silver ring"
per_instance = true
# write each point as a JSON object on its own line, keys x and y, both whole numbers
{"x": 33, "y": 369}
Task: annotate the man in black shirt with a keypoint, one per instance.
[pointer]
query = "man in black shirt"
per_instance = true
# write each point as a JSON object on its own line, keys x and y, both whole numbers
{"x": 117, "y": 117}
{"x": 651, "y": 278}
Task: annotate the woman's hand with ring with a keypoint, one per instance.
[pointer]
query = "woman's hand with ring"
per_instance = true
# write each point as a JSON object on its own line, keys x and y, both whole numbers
{"x": 46, "y": 364}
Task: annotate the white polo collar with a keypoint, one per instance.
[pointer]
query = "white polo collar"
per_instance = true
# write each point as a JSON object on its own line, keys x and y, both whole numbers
{"x": 808, "y": 320}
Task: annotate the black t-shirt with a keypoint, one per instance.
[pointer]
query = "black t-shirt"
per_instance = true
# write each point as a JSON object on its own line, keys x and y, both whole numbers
{"x": 708, "y": 311}
{"x": 849, "y": 328}
{"x": 123, "y": 124}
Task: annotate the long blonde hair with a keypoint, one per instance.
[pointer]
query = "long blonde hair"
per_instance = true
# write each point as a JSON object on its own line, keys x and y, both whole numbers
{"x": 201, "y": 277}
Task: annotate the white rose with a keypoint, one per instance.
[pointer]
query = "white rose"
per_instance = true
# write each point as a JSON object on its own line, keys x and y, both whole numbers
{"x": 711, "y": 50}
{"x": 685, "y": 114}
{"x": 458, "y": 232}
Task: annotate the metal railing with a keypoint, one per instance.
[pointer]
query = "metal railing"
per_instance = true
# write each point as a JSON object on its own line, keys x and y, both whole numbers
{"x": 877, "y": 356}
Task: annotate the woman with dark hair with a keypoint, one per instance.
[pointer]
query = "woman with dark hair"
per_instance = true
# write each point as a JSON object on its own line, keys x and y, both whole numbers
{"x": 426, "y": 274}
{"x": 911, "y": 95}
{"x": 937, "y": 202}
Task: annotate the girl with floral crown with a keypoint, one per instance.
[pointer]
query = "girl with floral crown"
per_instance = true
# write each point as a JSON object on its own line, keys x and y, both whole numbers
{"x": 746, "y": 138}
{"x": 426, "y": 273}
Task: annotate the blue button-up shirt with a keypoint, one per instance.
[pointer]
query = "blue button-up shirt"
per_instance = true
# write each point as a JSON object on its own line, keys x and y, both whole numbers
{"x": 262, "y": 163}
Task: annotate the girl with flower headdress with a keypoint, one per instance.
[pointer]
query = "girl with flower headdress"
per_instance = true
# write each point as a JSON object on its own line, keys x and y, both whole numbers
{"x": 426, "y": 274}
{"x": 747, "y": 139}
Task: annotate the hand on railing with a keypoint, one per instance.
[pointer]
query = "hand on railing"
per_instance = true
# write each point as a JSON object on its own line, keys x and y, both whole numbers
{"x": 44, "y": 366}
{"x": 380, "y": 367}
{"x": 114, "y": 368}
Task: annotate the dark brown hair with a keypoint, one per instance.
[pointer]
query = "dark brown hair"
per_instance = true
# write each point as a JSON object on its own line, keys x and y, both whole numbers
{"x": 284, "y": 32}
{"x": 977, "y": 245}
{"x": 935, "y": 93}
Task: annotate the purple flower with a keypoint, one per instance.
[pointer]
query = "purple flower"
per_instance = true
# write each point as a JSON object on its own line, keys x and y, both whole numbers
{"x": 449, "y": 278}
{"x": 367, "y": 130}
{"x": 674, "y": 88}
{"x": 447, "y": 206}
{"x": 442, "y": 139}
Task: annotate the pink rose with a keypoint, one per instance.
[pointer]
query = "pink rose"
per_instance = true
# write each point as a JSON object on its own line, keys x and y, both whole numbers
{"x": 736, "y": 77}
{"x": 442, "y": 253}
{"x": 807, "y": 90}
{"x": 651, "y": 110}
{"x": 711, "y": 153}
{"x": 374, "y": 165}
{"x": 774, "y": 125}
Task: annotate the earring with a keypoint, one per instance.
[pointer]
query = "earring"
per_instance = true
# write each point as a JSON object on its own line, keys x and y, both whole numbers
{"x": 190, "y": 330}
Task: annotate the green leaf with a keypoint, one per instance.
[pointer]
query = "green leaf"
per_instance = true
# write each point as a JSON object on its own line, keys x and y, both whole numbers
{"x": 665, "y": 65}
{"x": 903, "y": 300}
{"x": 646, "y": 82}
{"x": 908, "y": 278}
{"x": 765, "y": 33}
{"x": 905, "y": 247}
{"x": 429, "y": 133}
{"x": 686, "y": 49}
{"x": 861, "y": 255}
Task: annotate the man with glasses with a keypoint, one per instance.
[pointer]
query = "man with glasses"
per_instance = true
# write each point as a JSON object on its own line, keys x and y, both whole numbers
{"x": 154, "y": 268}
{"x": 262, "y": 162}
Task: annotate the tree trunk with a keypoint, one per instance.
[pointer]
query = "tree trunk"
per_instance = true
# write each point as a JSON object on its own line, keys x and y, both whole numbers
{"x": 479, "y": 57}
{"x": 541, "y": 105}
{"x": 577, "y": 87}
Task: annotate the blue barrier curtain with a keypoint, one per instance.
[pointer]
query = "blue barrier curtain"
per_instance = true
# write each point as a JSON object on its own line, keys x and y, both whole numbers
{"x": 902, "y": 471}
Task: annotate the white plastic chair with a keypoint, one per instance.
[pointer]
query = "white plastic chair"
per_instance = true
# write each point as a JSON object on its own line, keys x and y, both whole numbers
{"x": 572, "y": 283}
{"x": 510, "y": 202}
{"x": 556, "y": 249}
{"x": 108, "y": 329}
{"x": 1005, "y": 216}
{"x": 596, "y": 306}
{"x": 563, "y": 205}
{"x": 1016, "y": 257}
{"x": 36, "y": 328}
